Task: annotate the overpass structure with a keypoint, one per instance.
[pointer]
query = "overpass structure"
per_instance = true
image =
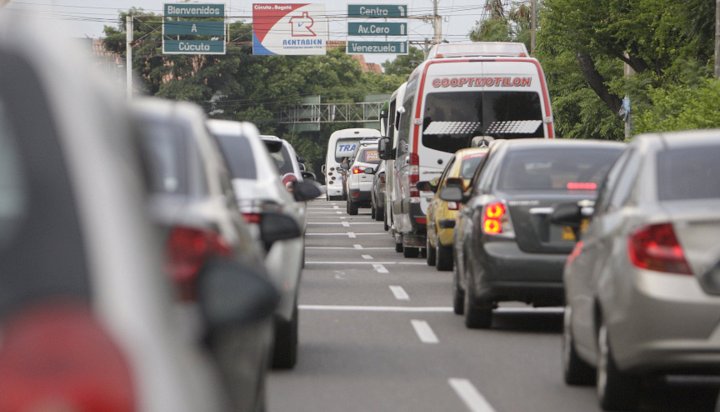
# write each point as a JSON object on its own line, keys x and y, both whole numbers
{"x": 316, "y": 113}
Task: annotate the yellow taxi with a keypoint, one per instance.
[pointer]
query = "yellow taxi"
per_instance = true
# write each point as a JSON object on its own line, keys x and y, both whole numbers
{"x": 440, "y": 213}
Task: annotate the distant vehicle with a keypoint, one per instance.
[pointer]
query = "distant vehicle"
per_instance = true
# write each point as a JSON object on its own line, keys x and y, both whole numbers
{"x": 262, "y": 195}
{"x": 342, "y": 145}
{"x": 359, "y": 181}
{"x": 441, "y": 214}
{"x": 87, "y": 318}
{"x": 193, "y": 203}
{"x": 505, "y": 247}
{"x": 461, "y": 91}
{"x": 643, "y": 286}
{"x": 377, "y": 195}
{"x": 392, "y": 191}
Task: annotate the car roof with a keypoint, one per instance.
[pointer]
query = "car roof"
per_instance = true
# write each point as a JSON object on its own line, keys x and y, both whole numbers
{"x": 531, "y": 143}
{"x": 681, "y": 139}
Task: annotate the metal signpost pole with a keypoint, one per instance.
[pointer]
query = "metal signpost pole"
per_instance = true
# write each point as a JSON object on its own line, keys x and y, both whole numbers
{"x": 128, "y": 54}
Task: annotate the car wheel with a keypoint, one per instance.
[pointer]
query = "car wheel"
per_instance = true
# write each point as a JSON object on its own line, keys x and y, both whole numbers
{"x": 352, "y": 208}
{"x": 286, "y": 342}
{"x": 615, "y": 389}
{"x": 379, "y": 214}
{"x": 385, "y": 221}
{"x": 372, "y": 212}
{"x": 477, "y": 315}
{"x": 398, "y": 243}
{"x": 444, "y": 260}
{"x": 575, "y": 370}
{"x": 410, "y": 252}
{"x": 458, "y": 294}
{"x": 430, "y": 255}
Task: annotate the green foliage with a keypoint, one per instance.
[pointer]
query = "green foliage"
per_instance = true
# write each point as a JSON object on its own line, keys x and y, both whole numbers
{"x": 681, "y": 107}
{"x": 404, "y": 65}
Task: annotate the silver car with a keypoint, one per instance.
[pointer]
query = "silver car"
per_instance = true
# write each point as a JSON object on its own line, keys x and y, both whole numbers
{"x": 642, "y": 287}
{"x": 260, "y": 191}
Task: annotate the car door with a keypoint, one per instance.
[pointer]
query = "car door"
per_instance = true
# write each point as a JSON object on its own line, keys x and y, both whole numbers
{"x": 438, "y": 207}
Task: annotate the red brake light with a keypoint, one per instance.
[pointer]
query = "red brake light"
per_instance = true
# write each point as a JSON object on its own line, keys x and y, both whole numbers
{"x": 421, "y": 220}
{"x": 252, "y": 218}
{"x": 188, "y": 250}
{"x": 57, "y": 357}
{"x": 414, "y": 174}
{"x": 493, "y": 218}
{"x": 655, "y": 247}
{"x": 581, "y": 186}
{"x": 356, "y": 170}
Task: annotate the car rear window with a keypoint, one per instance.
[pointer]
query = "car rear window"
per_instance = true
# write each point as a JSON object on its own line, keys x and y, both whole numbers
{"x": 368, "y": 156}
{"x": 452, "y": 119}
{"x": 556, "y": 168}
{"x": 165, "y": 146}
{"x": 283, "y": 161}
{"x": 688, "y": 173}
{"x": 239, "y": 156}
{"x": 469, "y": 165}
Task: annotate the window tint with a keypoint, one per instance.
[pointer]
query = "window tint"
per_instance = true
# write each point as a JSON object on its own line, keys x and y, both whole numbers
{"x": 452, "y": 119}
{"x": 239, "y": 156}
{"x": 688, "y": 173}
{"x": 469, "y": 165}
{"x": 283, "y": 161}
{"x": 165, "y": 145}
{"x": 556, "y": 168}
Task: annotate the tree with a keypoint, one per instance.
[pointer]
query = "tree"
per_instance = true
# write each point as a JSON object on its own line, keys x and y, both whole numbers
{"x": 403, "y": 65}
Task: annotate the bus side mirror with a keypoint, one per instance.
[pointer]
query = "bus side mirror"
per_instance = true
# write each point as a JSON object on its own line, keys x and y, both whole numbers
{"x": 385, "y": 149}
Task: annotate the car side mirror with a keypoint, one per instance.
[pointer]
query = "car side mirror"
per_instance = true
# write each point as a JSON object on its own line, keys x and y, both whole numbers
{"x": 231, "y": 293}
{"x": 308, "y": 175}
{"x": 323, "y": 169}
{"x": 369, "y": 171}
{"x": 385, "y": 150}
{"x": 273, "y": 146}
{"x": 454, "y": 190}
{"x": 278, "y": 226}
{"x": 306, "y": 190}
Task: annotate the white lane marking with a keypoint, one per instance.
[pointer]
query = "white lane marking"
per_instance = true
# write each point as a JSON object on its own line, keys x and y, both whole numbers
{"x": 351, "y": 235}
{"x": 424, "y": 331}
{"x": 379, "y": 268}
{"x": 326, "y": 262}
{"x": 399, "y": 293}
{"x": 349, "y": 308}
{"x": 367, "y": 257}
{"x": 348, "y": 248}
{"x": 344, "y": 234}
{"x": 338, "y": 223}
{"x": 342, "y": 217}
{"x": 338, "y": 213}
{"x": 472, "y": 398}
{"x": 336, "y": 207}
{"x": 345, "y": 224}
{"x": 357, "y": 246}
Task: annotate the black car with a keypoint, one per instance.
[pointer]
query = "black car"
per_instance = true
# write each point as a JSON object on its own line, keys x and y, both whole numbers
{"x": 506, "y": 249}
{"x": 377, "y": 195}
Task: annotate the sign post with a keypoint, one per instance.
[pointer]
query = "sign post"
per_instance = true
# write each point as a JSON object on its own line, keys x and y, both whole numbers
{"x": 395, "y": 33}
{"x": 193, "y": 28}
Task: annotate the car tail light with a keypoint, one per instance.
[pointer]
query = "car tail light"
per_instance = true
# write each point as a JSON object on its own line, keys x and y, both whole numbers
{"x": 655, "y": 247}
{"x": 252, "y": 218}
{"x": 188, "y": 250}
{"x": 57, "y": 357}
{"x": 496, "y": 220}
{"x": 581, "y": 186}
{"x": 288, "y": 179}
{"x": 575, "y": 253}
{"x": 414, "y": 177}
{"x": 356, "y": 170}
{"x": 421, "y": 220}
{"x": 453, "y": 206}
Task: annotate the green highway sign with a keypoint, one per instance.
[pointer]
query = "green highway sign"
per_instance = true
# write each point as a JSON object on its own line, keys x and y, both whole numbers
{"x": 377, "y": 47}
{"x": 377, "y": 11}
{"x": 200, "y": 28}
{"x": 194, "y": 10}
{"x": 194, "y": 47}
{"x": 377, "y": 29}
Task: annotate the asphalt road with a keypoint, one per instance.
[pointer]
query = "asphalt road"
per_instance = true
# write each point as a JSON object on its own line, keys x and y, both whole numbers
{"x": 377, "y": 333}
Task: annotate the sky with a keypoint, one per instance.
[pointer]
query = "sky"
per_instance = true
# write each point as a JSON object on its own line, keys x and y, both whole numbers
{"x": 86, "y": 18}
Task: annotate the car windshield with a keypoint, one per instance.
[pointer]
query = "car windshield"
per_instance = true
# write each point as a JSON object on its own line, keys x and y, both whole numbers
{"x": 239, "y": 156}
{"x": 688, "y": 173}
{"x": 165, "y": 146}
{"x": 556, "y": 168}
{"x": 451, "y": 120}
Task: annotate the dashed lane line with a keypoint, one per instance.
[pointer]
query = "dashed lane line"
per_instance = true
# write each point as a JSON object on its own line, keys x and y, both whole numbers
{"x": 399, "y": 293}
{"x": 367, "y": 257}
{"x": 380, "y": 268}
{"x": 424, "y": 331}
{"x": 345, "y": 234}
{"x": 349, "y": 248}
{"x": 345, "y": 224}
{"x": 351, "y": 308}
{"x": 351, "y": 235}
{"x": 340, "y": 263}
{"x": 357, "y": 246}
{"x": 472, "y": 398}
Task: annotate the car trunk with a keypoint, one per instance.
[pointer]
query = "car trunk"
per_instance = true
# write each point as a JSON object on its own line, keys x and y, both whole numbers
{"x": 530, "y": 215}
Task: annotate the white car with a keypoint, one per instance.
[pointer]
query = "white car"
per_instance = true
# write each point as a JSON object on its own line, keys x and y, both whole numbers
{"x": 359, "y": 183}
{"x": 260, "y": 189}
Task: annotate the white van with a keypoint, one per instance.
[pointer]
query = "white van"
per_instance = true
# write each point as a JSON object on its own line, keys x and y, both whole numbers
{"x": 462, "y": 90}
{"x": 342, "y": 144}
{"x": 391, "y": 131}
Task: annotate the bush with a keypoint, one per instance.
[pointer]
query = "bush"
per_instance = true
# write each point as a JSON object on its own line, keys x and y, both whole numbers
{"x": 681, "y": 107}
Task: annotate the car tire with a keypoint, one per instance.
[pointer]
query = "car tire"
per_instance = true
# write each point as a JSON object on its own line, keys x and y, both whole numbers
{"x": 372, "y": 212}
{"x": 616, "y": 390}
{"x": 430, "y": 255}
{"x": 286, "y": 342}
{"x": 444, "y": 259}
{"x": 379, "y": 214}
{"x": 477, "y": 315}
{"x": 411, "y": 252}
{"x": 398, "y": 243}
{"x": 385, "y": 221}
{"x": 351, "y": 208}
{"x": 575, "y": 370}
{"x": 458, "y": 294}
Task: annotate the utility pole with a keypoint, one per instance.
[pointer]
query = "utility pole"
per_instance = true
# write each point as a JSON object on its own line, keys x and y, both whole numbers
{"x": 128, "y": 55}
{"x": 533, "y": 24}
{"x": 437, "y": 23}
{"x": 717, "y": 38}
